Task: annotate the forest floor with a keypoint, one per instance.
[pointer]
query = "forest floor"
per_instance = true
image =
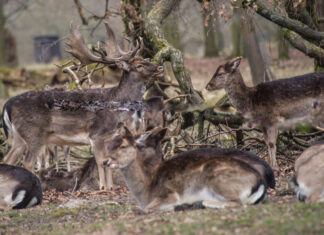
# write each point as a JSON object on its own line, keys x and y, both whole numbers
{"x": 116, "y": 212}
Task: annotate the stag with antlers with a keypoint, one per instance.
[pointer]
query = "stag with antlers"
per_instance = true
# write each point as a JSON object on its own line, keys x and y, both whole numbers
{"x": 35, "y": 119}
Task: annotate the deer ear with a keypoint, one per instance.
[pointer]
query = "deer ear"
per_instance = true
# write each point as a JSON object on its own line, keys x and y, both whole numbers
{"x": 235, "y": 62}
{"x": 158, "y": 133}
{"x": 123, "y": 65}
{"x": 152, "y": 138}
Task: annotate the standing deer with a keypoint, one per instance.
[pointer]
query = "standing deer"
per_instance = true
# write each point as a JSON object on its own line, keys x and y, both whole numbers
{"x": 274, "y": 104}
{"x": 208, "y": 176}
{"x": 309, "y": 174}
{"x": 19, "y": 188}
{"x": 41, "y": 118}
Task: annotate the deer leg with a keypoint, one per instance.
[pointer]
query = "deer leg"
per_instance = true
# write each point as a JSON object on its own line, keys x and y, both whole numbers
{"x": 109, "y": 180}
{"x": 66, "y": 150}
{"x": 31, "y": 156}
{"x": 218, "y": 205}
{"x": 17, "y": 150}
{"x": 39, "y": 163}
{"x": 270, "y": 135}
{"x": 97, "y": 148}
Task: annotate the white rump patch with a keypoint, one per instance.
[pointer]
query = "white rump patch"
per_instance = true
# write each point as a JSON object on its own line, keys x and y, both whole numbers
{"x": 32, "y": 202}
{"x": 19, "y": 198}
{"x": 251, "y": 199}
{"x": 7, "y": 121}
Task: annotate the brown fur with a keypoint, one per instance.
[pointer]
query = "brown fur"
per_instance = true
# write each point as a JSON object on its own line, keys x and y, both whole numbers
{"x": 186, "y": 178}
{"x": 309, "y": 176}
{"x": 271, "y": 104}
{"x": 36, "y": 123}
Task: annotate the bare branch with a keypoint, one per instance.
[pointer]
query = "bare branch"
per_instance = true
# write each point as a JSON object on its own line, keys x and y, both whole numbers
{"x": 302, "y": 29}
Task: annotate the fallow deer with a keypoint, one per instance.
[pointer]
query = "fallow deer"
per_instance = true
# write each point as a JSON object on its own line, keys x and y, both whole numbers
{"x": 273, "y": 104}
{"x": 41, "y": 118}
{"x": 19, "y": 188}
{"x": 309, "y": 174}
{"x": 185, "y": 179}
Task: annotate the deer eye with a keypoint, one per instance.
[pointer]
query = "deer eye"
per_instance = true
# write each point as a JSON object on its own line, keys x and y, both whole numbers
{"x": 139, "y": 67}
{"x": 139, "y": 147}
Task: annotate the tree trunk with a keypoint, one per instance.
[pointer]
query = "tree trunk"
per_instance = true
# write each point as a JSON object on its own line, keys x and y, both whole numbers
{"x": 211, "y": 48}
{"x": 283, "y": 45}
{"x": 2, "y": 34}
{"x": 171, "y": 31}
{"x": 236, "y": 33}
{"x": 256, "y": 52}
{"x": 320, "y": 22}
{"x": 164, "y": 51}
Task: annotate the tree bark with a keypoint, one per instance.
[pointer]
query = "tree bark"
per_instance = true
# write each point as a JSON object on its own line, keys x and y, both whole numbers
{"x": 256, "y": 52}
{"x": 283, "y": 45}
{"x": 302, "y": 29}
{"x": 171, "y": 32}
{"x": 319, "y": 65}
{"x": 211, "y": 48}
{"x": 236, "y": 33}
{"x": 164, "y": 51}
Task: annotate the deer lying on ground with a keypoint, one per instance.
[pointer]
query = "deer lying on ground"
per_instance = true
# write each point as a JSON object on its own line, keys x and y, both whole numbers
{"x": 19, "y": 188}
{"x": 309, "y": 174}
{"x": 41, "y": 118}
{"x": 187, "y": 178}
{"x": 274, "y": 104}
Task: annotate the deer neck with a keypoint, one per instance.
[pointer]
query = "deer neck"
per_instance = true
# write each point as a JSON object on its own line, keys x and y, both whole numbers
{"x": 131, "y": 86}
{"x": 137, "y": 180}
{"x": 238, "y": 93}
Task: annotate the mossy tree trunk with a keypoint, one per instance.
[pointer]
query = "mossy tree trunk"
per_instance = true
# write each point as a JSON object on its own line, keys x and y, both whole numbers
{"x": 320, "y": 24}
{"x": 211, "y": 47}
{"x": 300, "y": 27}
{"x": 2, "y": 34}
{"x": 171, "y": 31}
{"x": 164, "y": 51}
{"x": 237, "y": 41}
{"x": 283, "y": 45}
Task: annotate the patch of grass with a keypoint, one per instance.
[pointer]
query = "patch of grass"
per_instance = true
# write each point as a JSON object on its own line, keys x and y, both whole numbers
{"x": 269, "y": 218}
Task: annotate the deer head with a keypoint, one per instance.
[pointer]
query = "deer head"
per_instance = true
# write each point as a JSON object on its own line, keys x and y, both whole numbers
{"x": 111, "y": 54}
{"x": 218, "y": 80}
{"x": 126, "y": 148}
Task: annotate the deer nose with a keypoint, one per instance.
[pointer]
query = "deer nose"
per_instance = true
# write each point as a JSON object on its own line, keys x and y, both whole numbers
{"x": 160, "y": 68}
{"x": 106, "y": 163}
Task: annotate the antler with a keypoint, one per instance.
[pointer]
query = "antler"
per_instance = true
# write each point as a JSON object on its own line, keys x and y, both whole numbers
{"x": 111, "y": 54}
{"x": 79, "y": 49}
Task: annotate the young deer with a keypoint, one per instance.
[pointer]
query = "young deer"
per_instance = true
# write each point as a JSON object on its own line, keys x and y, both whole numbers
{"x": 274, "y": 104}
{"x": 19, "y": 188}
{"x": 309, "y": 176}
{"x": 41, "y": 118}
{"x": 189, "y": 177}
